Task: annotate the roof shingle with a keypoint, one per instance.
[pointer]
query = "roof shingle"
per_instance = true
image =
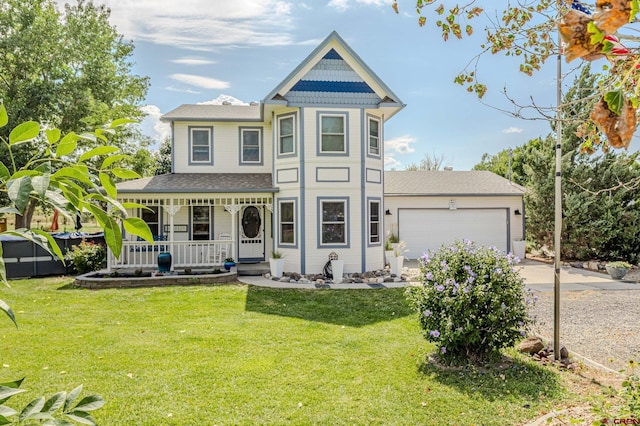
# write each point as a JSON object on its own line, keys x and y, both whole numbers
{"x": 474, "y": 182}
{"x": 201, "y": 182}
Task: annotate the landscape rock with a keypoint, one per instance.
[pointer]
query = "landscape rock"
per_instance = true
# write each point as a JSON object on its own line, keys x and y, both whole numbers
{"x": 531, "y": 345}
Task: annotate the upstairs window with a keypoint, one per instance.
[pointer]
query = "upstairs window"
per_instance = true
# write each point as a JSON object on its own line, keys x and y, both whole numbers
{"x": 201, "y": 145}
{"x": 332, "y": 133}
{"x": 374, "y": 137}
{"x": 250, "y": 146}
{"x": 286, "y": 135}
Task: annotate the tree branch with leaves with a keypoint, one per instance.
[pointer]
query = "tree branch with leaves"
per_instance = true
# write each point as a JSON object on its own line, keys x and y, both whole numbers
{"x": 525, "y": 29}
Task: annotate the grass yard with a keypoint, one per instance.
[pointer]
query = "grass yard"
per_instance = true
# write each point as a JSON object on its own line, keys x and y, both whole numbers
{"x": 239, "y": 355}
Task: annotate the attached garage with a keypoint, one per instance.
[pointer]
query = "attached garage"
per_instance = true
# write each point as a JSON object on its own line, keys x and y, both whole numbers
{"x": 427, "y": 209}
{"x": 428, "y": 229}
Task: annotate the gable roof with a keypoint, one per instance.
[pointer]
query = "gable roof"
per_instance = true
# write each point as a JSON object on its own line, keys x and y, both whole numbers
{"x": 334, "y": 74}
{"x": 204, "y": 112}
{"x": 200, "y": 182}
{"x": 448, "y": 182}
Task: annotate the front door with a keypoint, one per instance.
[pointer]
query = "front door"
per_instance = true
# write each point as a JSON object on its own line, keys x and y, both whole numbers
{"x": 251, "y": 233}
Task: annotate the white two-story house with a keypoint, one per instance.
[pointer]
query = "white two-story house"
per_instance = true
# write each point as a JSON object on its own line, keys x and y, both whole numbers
{"x": 300, "y": 173}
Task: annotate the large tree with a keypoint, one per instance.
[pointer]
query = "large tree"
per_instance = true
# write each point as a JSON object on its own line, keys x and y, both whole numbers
{"x": 69, "y": 69}
{"x": 601, "y": 217}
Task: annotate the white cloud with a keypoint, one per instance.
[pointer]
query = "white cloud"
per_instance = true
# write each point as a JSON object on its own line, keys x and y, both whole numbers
{"x": 512, "y": 130}
{"x": 192, "y": 61}
{"x": 199, "y": 81}
{"x": 224, "y": 98}
{"x": 342, "y": 5}
{"x": 153, "y": 127}
{"x": 182, "y": 90}
{"x": 401, "y": 145}
{"x": 391, "y": 163}
{"x": 203, "y": 24}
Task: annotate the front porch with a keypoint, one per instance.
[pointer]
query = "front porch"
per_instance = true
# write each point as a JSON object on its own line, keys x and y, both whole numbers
{"x": 199, "y": 230}
{"x": 184, "y": 254}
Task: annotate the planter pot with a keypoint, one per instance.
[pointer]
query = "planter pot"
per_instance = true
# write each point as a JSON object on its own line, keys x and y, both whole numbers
{"x": 337, "y": 270}
{"x": 388, "y": 255}
{"x": 229, "y": 265}
{"x": 518, "y": 248}
{"x": 164, "y": 262}
{"x": 616, "y": 273}
{"x": 277, "y": 267}
{"x": 395, "y": 263}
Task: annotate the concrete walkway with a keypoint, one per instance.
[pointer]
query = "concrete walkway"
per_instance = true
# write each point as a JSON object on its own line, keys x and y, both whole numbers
{"x": 538, "y": 276}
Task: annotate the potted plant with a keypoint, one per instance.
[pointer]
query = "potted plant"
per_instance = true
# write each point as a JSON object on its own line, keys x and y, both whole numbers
{"x": 393, "y": 240}
{"x": 617, "y": 270}
{"x": 519, "y": 248}
{"x": 397, "y": 260}
{"x": 229, "y": 263}
{"x": 388, "y": 250}
{"x": 276, "y": 263}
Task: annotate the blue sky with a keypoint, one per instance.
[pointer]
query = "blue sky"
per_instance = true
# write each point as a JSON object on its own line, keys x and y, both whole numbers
{"x": 208, "y": 50}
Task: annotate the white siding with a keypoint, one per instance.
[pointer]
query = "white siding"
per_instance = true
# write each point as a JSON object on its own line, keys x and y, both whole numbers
{"x": 395, "y": 204}
{"x": 226, "y": 148}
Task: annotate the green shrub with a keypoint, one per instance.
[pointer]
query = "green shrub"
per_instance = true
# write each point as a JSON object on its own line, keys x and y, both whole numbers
{"x": 86, "y": 257}
{"x": 472, "y": 302}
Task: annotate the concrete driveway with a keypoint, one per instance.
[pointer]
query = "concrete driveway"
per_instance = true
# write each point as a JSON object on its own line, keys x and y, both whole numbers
{"x": 539, "y": 276}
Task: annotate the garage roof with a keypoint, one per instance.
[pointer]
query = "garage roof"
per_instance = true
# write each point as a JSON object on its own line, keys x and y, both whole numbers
{"x": 448, "y": 182}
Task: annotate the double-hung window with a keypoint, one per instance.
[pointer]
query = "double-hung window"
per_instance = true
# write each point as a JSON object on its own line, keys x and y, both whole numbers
{"x": 201, "y": 222}
{"x": 201, "y": 145}
{"x": 332, "y": 134}
{"x": 286, "y": 135}
{"x": 250, "y": 146}
{"x": 333, "y": 224}
{"x": 151, "y": 215}
{"x": 287, "y": 223}
{"x": 374, "y": 136}
{"x": 374, "y": 222}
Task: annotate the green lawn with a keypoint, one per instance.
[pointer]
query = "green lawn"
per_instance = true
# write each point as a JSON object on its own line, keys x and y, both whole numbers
{"x": 233, "y": 355}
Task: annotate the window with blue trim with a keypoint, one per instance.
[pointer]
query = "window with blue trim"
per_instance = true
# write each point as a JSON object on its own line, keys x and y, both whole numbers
{"x": 374, "y": 222}
{"x": 333, "y": 224}
{"x": 332, "y": 133}
{"x": 374, "y": 137}
{"x": 287, "y": 223}
{"x": 201, "y": 223}
{"x": 201, "y": 145}
{"x": 286, "y": 135}
{"x": 250, "y": 140}
{"x": 151, "y": 215}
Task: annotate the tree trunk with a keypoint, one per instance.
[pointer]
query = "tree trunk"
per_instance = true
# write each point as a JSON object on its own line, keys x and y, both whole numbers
{"x": 24, "y": 221}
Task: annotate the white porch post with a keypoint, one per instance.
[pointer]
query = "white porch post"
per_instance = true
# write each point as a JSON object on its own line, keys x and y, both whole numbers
{"x": 172, "y": 210}
{"x": 233, "y": 209}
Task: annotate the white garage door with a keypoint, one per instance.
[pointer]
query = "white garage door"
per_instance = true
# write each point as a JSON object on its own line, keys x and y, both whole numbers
{"x": 428, "y": 229}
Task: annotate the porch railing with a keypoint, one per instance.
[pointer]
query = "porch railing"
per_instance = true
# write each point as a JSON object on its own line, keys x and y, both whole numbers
{"x": 140, "y": 254}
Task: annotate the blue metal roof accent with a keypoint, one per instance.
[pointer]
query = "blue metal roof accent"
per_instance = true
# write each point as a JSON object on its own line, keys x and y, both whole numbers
{"x": 332, "y": 54}
{"x": 332, "y": 86}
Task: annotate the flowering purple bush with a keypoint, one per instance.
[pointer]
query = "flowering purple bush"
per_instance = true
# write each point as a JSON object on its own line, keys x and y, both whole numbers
{"x": 472, "y": 302}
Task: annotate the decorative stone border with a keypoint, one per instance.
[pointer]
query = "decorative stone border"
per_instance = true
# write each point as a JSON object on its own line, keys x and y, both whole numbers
{"x": 100, "y": 280}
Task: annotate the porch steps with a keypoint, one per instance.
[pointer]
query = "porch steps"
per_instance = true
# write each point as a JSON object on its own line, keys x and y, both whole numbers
{"x": 252, "y": 269}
